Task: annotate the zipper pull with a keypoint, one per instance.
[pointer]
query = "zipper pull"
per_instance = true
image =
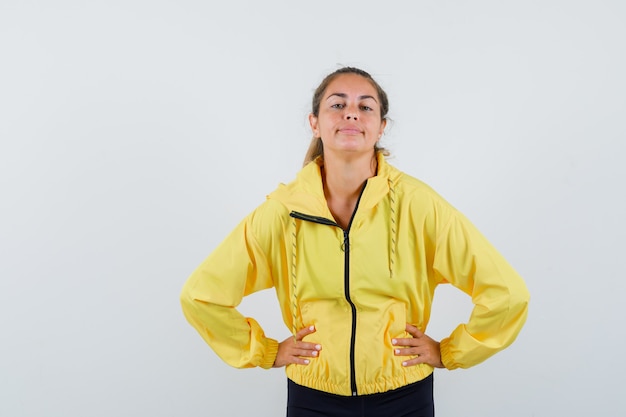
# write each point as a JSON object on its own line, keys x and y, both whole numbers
{"x": 345, "y": 245}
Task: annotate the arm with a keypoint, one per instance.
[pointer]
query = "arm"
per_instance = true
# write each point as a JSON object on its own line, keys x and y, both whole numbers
{"x": 236, "y": 268}
{"x": 468, "y": 261}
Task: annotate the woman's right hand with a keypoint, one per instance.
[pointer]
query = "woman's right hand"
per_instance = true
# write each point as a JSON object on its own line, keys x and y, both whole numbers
{"x": 294, "y": 350}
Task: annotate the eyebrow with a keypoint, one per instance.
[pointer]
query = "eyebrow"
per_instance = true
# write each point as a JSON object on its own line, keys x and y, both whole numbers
{"x": 343, "y": 95}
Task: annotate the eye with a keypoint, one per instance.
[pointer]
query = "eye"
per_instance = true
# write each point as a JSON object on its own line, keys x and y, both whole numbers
{"x": 338, "y": 106}
{"x": 366, "y": 108}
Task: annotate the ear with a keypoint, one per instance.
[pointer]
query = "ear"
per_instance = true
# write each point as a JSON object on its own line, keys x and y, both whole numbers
{"x": 313, "y": 122}
{"x": 383, "y": 124}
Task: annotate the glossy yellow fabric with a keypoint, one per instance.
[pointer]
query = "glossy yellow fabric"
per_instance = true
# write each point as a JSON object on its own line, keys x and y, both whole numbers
{"x": 404, "y": 241}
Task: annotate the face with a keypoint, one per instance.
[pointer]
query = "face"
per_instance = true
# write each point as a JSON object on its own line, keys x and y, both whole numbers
{"x": 349, "y": 116}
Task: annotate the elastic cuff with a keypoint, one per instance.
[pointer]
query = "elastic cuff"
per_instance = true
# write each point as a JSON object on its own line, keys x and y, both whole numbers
{"x": 446, "y": 356}
{"x": 271, "y": 350}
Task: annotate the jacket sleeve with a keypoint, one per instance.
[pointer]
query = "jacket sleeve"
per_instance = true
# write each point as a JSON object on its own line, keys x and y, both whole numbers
{"x": 236, "y": 268}
{"x": 465, "y": 258}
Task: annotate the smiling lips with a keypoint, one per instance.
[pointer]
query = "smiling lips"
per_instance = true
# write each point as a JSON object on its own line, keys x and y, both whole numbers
{"x": 350, "y": 130}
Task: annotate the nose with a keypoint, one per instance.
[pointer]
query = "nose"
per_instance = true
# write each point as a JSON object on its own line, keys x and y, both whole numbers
{"x": 351, "y": 113}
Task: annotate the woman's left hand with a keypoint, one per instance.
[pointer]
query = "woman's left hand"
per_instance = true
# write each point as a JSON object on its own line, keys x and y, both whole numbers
{"x": 426, "y": 349}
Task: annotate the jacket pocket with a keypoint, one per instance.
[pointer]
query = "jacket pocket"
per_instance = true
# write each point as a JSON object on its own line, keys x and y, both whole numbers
{"x": 376, "y": 328}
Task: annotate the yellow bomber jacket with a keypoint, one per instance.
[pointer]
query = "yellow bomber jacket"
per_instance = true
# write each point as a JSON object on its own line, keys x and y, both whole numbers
{"x": 358, "y": 287}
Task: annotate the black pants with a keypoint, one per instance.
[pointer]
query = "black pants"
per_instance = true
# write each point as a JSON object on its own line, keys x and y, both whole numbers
{"x": 414, "y": 400}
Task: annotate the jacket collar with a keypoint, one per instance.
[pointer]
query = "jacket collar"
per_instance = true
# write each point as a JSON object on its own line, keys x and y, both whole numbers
{"x": 306, "y": 194}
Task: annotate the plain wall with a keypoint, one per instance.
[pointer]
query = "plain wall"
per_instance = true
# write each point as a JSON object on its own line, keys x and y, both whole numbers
{"x": 134, "y": 135}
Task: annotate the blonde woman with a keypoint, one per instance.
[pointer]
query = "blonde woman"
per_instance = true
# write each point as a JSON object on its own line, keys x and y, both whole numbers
{"x": 355, "y": 249}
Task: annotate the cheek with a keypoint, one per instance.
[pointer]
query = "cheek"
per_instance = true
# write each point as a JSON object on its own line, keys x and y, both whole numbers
{"x": 327, "y": 123}
{"x": 375, "y": 126}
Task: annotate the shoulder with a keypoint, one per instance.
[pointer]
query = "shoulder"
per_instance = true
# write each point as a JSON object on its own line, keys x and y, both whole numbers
{"x": 413, "y": 191}
{"x": 267, "y": 215}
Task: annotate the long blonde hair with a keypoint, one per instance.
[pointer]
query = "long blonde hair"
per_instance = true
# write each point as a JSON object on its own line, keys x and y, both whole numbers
{"x": 316, "y": 148}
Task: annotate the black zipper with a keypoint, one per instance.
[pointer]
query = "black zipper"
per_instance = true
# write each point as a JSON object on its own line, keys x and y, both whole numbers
{"x": 346, "y": 250}
{"x": 314, "y": 219}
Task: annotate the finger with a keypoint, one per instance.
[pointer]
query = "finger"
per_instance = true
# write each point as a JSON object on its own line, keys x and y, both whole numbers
{"x": 426, "y": 358}
{"x": 299, "y": 361}
{"x": 413, "y": 361}
{"x": 414, "y": 356}
{"x": 419, "y": 355}
{"x": 305, "y": 331}
{"x": 308, "y": 346}
{"x": 399, "y": 341}
{"x": 406, "y": 352}
{"x": 421, "y": 351}
{"x": 312, "y": 352}
{"x": 414, "y": 331}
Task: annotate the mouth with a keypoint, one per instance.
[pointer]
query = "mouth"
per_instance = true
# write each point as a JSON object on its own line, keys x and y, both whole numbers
{"x": 350, "y": 131}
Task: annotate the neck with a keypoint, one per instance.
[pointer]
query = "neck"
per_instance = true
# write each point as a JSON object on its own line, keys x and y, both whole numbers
{"x": 344, "y": 178}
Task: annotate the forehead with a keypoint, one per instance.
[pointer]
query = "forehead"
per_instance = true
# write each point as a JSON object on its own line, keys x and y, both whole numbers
{"x": 351, "y": 84}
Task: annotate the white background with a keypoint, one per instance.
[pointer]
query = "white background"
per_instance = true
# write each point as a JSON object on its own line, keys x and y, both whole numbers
{"x": 134, "y": 135}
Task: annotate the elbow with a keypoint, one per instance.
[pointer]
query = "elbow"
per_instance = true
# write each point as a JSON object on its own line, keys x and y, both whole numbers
{"x": 518, "y": 313}
{"x": 521, "y": 300}
{"x": 517, "y": 301}
{"x": 186, "y": 298}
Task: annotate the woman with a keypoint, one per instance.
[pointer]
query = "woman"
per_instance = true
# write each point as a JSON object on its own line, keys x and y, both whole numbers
{"x": 355, "y": 249}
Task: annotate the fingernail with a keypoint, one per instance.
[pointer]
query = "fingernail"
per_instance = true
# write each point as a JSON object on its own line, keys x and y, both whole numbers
{"x": 403, "y": 363}
{"x": 397, "y": 351}
{"x": 314, "y": 353}
{"x": 312, "y": 328}
{"x": 394, "y": 341}
{"x": 306, "y": 361}
{"x": 318, "y": 347}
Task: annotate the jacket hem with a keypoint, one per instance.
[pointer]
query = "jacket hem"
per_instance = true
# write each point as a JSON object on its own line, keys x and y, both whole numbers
{"x": 380, "y": 385}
